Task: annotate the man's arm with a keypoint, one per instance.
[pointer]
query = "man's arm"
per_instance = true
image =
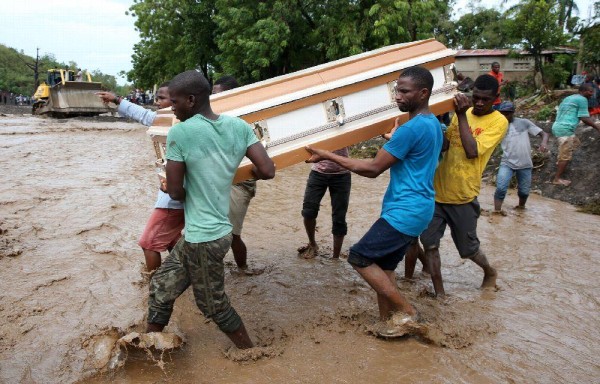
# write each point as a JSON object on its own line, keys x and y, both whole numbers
{"x": 175, "y": 176}
{"x": 469, "y": 143}
{"x": 367, "y": 168}
{"x": 589, "y": 121}
{"x": 544, "y": 144}
{"x": 263, "y": 168}
{"x": 128, "y": 109}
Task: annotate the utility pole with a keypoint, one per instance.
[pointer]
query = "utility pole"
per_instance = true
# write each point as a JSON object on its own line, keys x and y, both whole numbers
{"x": 34, "y": 67}
{"x": 36, "y": 75}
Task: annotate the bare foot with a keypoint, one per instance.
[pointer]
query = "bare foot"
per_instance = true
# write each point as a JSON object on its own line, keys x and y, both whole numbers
{"x": 499, "y": 213}
{"x": 520, "y": 208}
{"x": 489, "y": 279}
{"x": 562, "y": 182}
{"x": 308, "y": 251}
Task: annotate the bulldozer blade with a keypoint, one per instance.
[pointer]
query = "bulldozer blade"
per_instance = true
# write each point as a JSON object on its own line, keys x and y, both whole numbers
{"x": 75, "y": 99}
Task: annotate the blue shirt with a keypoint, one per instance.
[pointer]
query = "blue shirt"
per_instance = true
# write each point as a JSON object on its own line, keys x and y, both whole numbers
{"x": 569, "y": 112}
{"x": 408, "y": 203}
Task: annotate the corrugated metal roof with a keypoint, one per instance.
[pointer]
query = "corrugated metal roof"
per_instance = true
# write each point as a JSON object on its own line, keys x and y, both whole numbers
{"x": 504, "y": 52}
{"x": 482, "y": 52}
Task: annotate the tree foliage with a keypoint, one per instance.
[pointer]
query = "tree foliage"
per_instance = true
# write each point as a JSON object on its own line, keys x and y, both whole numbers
{"x": 175, "y": 35}
{"x": 536, "y": 24}
{"x": 256, "y": 40}
{"x": 483, "y": 29}
{"x": 17, "y": 75}
{"x": 590, "y": 41}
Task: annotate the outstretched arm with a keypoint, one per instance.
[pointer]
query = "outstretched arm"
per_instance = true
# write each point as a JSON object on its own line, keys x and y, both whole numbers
{"x": 589, "y": 121}
{"x": 263, "y": 168}
{"x": 128, "y": 109}
{"x": 367, "y": 168}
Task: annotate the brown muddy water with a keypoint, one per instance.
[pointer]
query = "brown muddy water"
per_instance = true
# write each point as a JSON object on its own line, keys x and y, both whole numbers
{"x": 77, "y": 195}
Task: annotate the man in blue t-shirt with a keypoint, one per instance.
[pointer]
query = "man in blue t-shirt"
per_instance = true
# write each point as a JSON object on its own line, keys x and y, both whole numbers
{"x": 408, "y": 204}
{"x": 572, "y": 109}
{"x": 204, "y": 151}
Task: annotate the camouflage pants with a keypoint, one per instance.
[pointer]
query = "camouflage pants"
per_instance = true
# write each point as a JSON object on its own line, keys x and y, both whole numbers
{"x": 201, "y": 266}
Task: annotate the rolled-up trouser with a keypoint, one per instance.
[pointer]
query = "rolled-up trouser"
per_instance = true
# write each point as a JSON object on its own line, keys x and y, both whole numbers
{"x": 503, "y": 181}
{"x": 201, "y": 266}
{"x": 339, "y": 185}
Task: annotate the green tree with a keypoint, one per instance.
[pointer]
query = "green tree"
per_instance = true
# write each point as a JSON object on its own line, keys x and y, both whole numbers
{"x": 394, "y": 21}
{"x": 535, "y": 24}
{"x": 256, "y": 40}
{"x": 589, "y": 34}
{"x": 175, "y": 35}
{"x": 17, "y": 76}
{"x": 482, "y": 29}
{"x": 566, "y": 10}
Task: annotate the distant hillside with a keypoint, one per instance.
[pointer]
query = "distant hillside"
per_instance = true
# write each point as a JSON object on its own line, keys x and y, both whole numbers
{"x": 16, "y": 75}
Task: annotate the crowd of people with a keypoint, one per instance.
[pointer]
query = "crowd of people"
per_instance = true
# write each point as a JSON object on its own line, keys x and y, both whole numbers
{"x": 10, "y": 98}
{"x": 435, "y": 180}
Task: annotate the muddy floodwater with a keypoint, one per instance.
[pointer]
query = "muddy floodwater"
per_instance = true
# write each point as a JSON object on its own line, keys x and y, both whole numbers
{"x": 77, "y": 194}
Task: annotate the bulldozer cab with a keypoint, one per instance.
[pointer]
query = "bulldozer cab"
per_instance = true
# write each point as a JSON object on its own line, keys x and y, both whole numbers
{"x": 60, "y": 76}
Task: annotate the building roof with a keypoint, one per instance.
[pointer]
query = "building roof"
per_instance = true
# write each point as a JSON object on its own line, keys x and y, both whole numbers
{"x": 504, "y": 52}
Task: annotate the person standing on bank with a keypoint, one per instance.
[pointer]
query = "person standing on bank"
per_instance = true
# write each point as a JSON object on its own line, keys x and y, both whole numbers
{"x": 204, "y": 151}
{"x": 516, "y": 156}
{"x": 499, "y": 76}
{"x": 572, "y": 109}
{"x": 408, "y": 204}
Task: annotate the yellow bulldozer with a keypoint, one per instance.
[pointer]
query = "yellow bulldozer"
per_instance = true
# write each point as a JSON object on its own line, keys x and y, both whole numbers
{"x": 64, "y": 95}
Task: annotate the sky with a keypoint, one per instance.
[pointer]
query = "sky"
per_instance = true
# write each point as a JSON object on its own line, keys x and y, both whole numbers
{"x": 94, "y": 33}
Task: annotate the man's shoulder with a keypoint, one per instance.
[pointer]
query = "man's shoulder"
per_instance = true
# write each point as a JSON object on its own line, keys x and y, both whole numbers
{"x": 522, "y": 122}
{"x": 495, "y": 119}
{"x": 420, "y": 120}
{"x": 176, "y": 128}
{"x": 232, "y": 120}
{"x": 574, "y": 98}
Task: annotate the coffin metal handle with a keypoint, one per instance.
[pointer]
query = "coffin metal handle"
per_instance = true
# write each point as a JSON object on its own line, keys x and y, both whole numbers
{"x": 334, "y": 110}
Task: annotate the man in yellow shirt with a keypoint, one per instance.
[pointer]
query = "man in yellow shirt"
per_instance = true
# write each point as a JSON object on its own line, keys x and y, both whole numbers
{"x": 470, "y": 140}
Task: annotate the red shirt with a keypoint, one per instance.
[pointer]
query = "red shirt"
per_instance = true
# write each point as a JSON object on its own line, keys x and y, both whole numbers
{"x": 499, "y": 77}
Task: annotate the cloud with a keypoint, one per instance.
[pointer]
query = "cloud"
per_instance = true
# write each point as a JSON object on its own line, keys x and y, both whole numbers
{"x": 95, "y": 34}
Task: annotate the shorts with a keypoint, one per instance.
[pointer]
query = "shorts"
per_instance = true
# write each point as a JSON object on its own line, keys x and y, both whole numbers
{"x": 382, "y": 245}
{"x": 566, "y": 146}
{"x": 339, "y": 185}
{"x": 462, "y": 220}
{"x": 239, "y": 200}
{"x": 201, "y": 266}
{"x": 162, "y": 230}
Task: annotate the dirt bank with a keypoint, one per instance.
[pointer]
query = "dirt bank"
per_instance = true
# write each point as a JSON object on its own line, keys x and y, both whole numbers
{"x": 79, "y": 193}
{"x": 583, "y": 170}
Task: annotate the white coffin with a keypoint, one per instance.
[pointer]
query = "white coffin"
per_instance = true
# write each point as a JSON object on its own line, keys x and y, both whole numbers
{"x": 329, "y": 106}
